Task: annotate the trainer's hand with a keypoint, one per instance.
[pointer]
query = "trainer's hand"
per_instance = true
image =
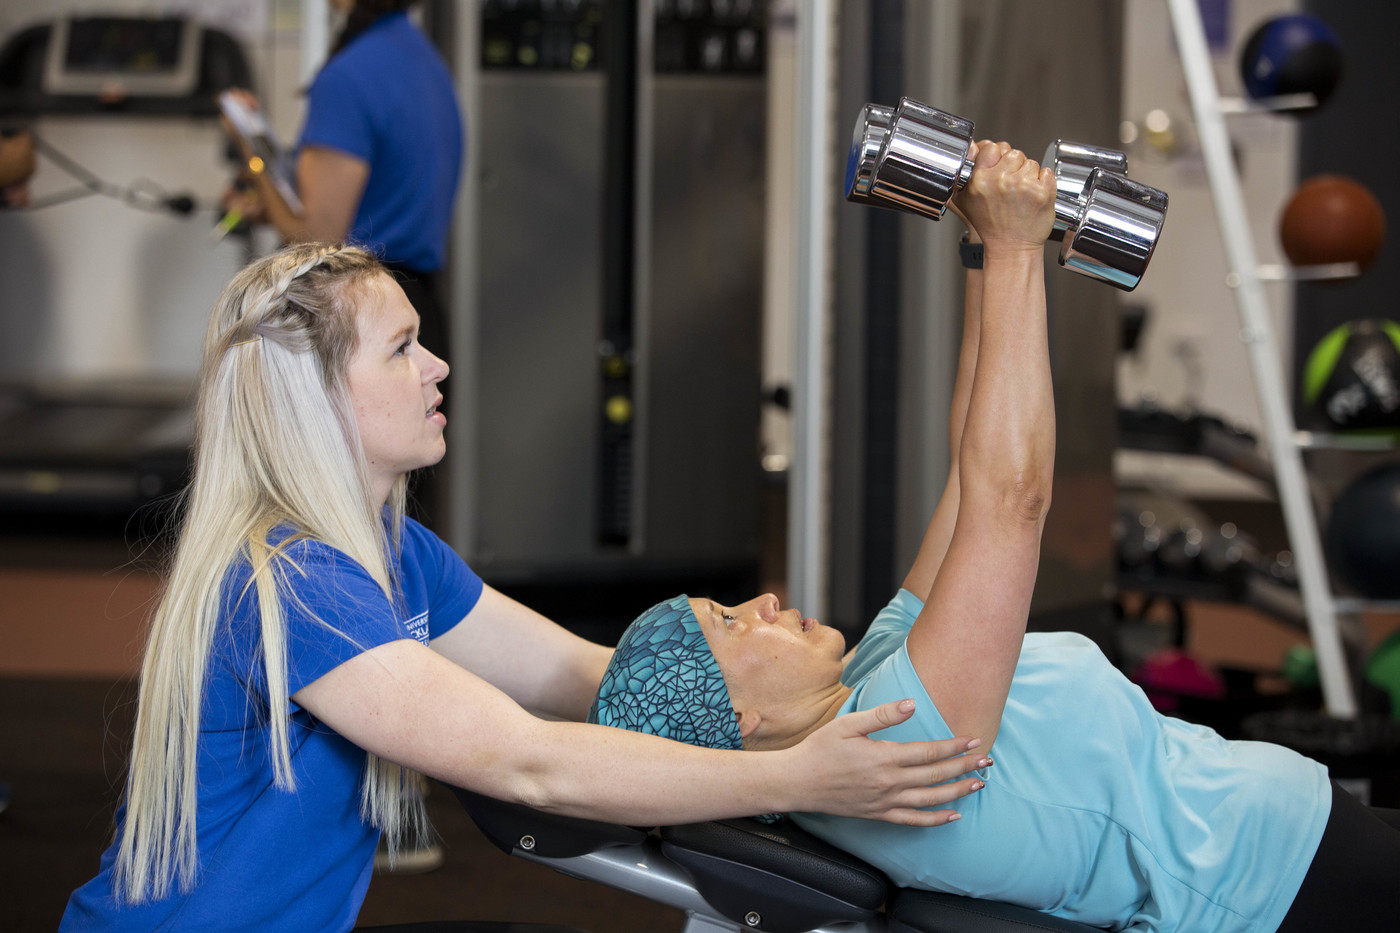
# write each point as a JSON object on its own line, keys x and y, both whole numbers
{"x": 844, "y": 772}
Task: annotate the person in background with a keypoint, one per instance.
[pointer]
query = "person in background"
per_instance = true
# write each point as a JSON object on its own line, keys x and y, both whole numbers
{"x": 17, "y": 164}
{"x": 378, "y": 163}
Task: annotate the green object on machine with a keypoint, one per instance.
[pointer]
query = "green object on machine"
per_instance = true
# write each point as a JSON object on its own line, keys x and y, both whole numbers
{"x": 1300, "y": 667}
{"x": 1351, "y": 376}
{"x": 1383, "y": 670}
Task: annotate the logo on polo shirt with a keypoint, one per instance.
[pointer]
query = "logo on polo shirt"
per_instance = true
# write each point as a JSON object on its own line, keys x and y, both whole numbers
{"x": 418, "y": 626}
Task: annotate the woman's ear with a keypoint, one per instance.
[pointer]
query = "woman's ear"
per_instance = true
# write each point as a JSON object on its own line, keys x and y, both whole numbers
{"x": 748, "y": 720}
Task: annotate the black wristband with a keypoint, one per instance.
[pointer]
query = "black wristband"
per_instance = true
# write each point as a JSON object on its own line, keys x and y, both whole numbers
{"x": 970, "y": 253}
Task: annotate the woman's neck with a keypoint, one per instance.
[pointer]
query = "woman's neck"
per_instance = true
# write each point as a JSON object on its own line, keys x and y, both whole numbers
{"x": 805, "y": 718}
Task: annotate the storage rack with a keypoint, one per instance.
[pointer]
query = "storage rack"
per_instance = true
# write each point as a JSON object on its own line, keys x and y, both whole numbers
{"x": 1245, "y": 279}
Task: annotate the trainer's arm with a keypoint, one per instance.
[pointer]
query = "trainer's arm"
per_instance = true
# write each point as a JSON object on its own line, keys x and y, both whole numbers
{"x": 409, "y": 704}
{"x": 496, "y": 638}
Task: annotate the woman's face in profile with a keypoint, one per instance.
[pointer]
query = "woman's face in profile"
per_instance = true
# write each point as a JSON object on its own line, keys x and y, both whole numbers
{"x": 393, "y": 387}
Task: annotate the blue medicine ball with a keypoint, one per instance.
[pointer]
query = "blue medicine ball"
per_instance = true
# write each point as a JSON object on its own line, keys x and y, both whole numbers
{"x": 1363, "y": 533}
{"x": 1297, "y": 54}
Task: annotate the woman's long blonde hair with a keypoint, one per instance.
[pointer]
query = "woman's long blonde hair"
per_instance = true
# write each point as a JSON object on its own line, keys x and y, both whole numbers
{"x": 276, "y": 444}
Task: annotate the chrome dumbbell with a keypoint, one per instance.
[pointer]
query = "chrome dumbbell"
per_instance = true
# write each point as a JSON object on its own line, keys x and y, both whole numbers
{"x": 915, "y": 158}
{"x": 1072, "y": 164}
{"x": 1107, "y": 224}
{"x": 912, "y": 157}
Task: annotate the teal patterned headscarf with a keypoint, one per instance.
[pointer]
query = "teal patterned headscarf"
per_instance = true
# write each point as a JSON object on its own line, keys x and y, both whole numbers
{"x": 664, "y": 680}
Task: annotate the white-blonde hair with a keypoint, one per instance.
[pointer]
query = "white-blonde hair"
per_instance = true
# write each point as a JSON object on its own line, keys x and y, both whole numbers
{"x": 276, "y": 444}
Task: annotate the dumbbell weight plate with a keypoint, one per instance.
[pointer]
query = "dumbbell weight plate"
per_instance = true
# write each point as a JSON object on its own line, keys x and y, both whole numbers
{"x": 924, "y": 160}
{"x": 872, "y": 126}
{"x": 1118, "y": 231}
{"x": 1072, "y": 164}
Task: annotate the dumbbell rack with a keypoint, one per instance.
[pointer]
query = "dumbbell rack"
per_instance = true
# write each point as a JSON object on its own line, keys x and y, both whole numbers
{"x": 1245, "y": 279}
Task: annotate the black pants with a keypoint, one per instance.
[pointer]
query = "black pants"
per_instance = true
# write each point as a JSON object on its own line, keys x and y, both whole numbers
{"x": 1353, "y": 884}
{"x": 427, "y": 487}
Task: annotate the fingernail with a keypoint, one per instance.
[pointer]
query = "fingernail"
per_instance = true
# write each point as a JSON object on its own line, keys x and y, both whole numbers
{"x": 978, "y": 785}
{"x": 973, "y": 744}
{"x": 955, "y": 817}
{"x": 906, "y": 705}
{"x": 985, "y": 763}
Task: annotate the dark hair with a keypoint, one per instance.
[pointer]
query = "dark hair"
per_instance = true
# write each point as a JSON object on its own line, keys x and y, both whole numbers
{"x": 363, "y": 15}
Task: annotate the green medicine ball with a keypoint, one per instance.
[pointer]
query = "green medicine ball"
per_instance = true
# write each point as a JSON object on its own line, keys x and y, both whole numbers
{"x": 1352, "y": 376}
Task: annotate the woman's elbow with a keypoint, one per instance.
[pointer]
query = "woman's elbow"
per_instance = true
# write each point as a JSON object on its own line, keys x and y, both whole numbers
{"x": 1025, "y": 495}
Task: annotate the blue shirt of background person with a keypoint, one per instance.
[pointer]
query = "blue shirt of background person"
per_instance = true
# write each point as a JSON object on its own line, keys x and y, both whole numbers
{"x": 387, "y": 99}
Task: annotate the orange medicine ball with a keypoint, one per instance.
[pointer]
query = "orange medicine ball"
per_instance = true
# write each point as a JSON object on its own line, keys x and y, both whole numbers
{"x": 1331, "y": 218}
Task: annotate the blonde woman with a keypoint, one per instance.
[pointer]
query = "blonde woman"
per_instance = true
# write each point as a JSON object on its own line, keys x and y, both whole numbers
{"x": 313, "y": 648}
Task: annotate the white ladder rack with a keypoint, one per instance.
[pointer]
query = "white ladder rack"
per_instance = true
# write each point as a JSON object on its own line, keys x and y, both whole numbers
{"x": 1256, "y": 332}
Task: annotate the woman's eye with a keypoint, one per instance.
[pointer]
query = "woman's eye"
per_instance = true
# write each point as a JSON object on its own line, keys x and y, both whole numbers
{"x": 728, "y": 619}
{"x": 403, "y": 347}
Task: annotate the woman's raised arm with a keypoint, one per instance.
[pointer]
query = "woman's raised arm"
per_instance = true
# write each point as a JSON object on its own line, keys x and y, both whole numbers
{"x": 939, "y": 532}
{"x": 966, "y": 641}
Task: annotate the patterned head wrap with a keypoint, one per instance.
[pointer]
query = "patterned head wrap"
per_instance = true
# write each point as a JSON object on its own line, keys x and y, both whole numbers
{"x": 664, "y": 680}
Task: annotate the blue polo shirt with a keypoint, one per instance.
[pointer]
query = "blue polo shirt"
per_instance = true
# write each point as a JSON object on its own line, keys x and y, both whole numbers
{"x": 1098, "y": 809}
{"x": 387, "y": 98}
{"x": 272, "y": 859}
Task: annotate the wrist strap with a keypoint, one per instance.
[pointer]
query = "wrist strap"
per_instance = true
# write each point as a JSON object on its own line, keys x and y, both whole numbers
{"x": 970, "y": 253}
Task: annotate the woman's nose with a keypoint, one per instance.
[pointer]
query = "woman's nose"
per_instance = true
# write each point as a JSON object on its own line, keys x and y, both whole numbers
{"x": 768, "y": 607}
{"x": 437, "y": 367}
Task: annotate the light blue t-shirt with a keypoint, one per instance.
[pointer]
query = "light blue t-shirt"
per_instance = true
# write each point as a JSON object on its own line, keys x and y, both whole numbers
{"x": 1099, "y": 809}
{"x": 273, "y": 860}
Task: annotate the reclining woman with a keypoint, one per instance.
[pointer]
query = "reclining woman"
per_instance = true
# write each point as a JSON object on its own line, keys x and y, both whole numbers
{"x": 1098, "y": 809}
{"x": 312, "y": 645}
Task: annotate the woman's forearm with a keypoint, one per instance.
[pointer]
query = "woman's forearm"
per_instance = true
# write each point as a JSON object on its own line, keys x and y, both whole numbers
{"x": 290, "y": 225}
{"x": 616, "y": 775}
{"x": 967, "y": 360}
{"x": 939, "y": 531}
{"x": 329, "y": 185}
{"x": 1008, "y": 439}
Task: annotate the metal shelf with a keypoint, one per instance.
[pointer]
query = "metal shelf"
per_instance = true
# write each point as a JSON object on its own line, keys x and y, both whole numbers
{"x": 1284, "y": 103}
{"x": 1272, "y": 272}
{"x": 1350, "y": 605}
{"x": 1364, "y": 443}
